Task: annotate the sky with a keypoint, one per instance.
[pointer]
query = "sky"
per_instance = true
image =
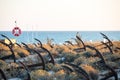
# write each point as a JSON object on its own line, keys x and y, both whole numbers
{"x": 60, "y": 15}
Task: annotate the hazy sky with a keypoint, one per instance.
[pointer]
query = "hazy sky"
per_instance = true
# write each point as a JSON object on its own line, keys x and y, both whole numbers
{"x": 60, "y": 14}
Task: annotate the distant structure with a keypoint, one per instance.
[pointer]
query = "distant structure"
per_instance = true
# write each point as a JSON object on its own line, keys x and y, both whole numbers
{"x": 104, "y": 40}
{"x": 91, "y": 41}
{"x": 7, "y": 41}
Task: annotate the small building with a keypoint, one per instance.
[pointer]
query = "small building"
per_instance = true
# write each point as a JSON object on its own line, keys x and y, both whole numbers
{"x": 7, "y": 41}
{"x": 104, "y": 40}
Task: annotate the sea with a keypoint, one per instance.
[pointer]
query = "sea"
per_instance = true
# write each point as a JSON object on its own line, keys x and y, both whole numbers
{"x": 60, "y": 37}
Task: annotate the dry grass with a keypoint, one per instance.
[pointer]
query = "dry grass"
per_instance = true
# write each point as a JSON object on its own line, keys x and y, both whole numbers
{"x": 84, "y": 59}
{"x": 3, "y": 47}
{"x": 21, "y": 52}
{"x": 93, "y": 73}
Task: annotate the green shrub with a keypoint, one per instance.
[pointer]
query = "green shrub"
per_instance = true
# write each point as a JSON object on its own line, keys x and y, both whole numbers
{"x": 56, "y": 67}
{"x": 79, "y": 60}
{"x": 40, "y": 75}
{"x": 69, "y": 57}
